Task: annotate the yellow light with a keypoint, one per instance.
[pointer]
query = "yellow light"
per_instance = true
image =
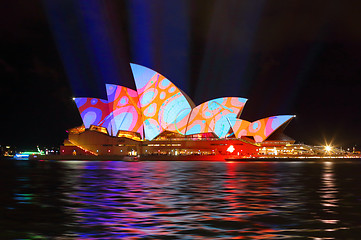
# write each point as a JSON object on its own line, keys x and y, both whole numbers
{"x": 328, "y": 148}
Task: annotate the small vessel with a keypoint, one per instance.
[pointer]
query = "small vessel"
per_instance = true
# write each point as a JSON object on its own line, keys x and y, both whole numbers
{"x": 27, "y": 155}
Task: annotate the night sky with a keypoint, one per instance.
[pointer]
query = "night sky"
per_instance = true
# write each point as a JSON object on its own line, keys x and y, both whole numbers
{"x": 286, "y": 57}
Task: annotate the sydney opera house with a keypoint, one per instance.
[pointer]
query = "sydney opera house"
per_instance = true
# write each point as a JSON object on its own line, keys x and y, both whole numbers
{"x": 159, "y": 120}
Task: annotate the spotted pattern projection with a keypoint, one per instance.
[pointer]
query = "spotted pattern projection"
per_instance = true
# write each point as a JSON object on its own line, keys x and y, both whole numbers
{"x": 158, "y": 105}
{"x": 125, "y": 113}
{"x": 215, "y": 116}
{"x": 93, "y": 111}
{"x": 163, "y": 105}
{"x": 260, "y": 129}
{"x": 240, "y": 127}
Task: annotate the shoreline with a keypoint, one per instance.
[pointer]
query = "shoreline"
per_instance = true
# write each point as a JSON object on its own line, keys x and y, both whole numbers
{"x": 217, "y": 158}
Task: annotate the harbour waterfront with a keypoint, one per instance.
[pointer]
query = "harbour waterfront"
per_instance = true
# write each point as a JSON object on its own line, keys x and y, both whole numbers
{"x": 180, "y": 200}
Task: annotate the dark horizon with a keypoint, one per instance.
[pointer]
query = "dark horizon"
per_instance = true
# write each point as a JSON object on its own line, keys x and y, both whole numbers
{"x": 285, "y": 58}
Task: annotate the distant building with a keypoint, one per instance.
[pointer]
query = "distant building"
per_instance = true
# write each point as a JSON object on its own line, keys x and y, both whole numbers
{"x": 7, "y": 150}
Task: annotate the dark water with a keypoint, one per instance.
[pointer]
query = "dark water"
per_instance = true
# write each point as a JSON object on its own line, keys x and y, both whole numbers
{"x": 179, "y": 200}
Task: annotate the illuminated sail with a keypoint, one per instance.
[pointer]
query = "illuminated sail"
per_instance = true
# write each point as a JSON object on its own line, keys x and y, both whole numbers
{"x": 214, "y": 116}
{"x": 163, "y": 105}
{"x": 93, "y": 111}
{"x": 158, "y": 105}
{"x": 125, "y": 113}
{"x": 261, "y": 129}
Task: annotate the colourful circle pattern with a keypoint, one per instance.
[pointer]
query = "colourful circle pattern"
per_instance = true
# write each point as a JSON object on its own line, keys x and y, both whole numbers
{"x": 215, "y": 115}
{"x": 162, "y": 103}
{"x": 166, "y": 108}
{"x": 261, "y": 129}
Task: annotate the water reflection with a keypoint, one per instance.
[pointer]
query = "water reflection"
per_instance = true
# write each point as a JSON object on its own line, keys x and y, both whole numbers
{"x": 328, "y": 199}
{"x": 190, "y": 200}
{"x": 30, "y": 201}
{"x": 328, "y": 190}
{"x": 179, "y": 200}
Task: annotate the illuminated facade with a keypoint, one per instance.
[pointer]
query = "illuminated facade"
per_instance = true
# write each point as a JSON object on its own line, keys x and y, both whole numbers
{"x": 158, "y": 108}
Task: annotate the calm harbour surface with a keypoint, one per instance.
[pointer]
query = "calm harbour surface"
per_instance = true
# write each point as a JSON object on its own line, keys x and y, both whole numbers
{"x": 180, "y": 200}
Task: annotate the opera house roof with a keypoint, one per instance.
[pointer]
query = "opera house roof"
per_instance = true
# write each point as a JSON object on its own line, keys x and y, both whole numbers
{"x": 158, "y": 105}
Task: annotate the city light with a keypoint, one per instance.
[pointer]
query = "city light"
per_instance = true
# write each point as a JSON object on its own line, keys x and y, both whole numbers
{"x": 328, "y": 148}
